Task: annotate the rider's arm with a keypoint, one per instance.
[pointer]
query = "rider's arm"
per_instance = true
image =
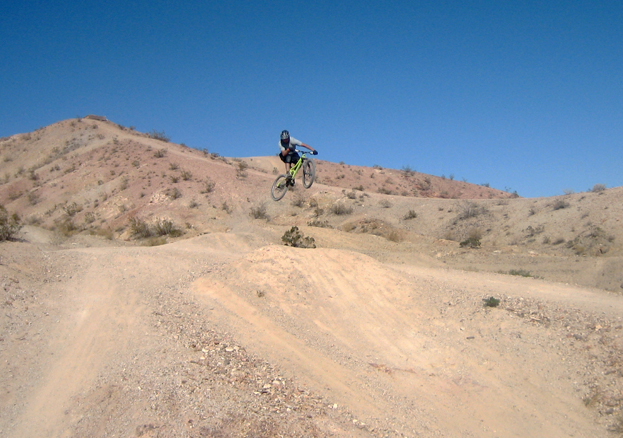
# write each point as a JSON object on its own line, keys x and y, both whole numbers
{"x": 307, "y": 146}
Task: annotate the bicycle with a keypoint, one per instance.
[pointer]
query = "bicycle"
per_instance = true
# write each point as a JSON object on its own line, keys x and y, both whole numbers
{"x": 284, "y": 182}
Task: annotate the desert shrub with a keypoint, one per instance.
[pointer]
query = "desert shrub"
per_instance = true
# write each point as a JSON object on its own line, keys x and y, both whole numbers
{"x": 473, "y": 239}
{"x": 160, "y": 153}
{"x": 351, "y": 195}
{"x": 559, "y": 204}
{"x": 159, "y": 136}
{"x": 520, "y": 272}
{"x": 226, "y": 208}
{"x": 15, "y": 194}
{"x": 186, "y": 175}
{"x": 67, "y": 227}
{"x": 470, "y": 242}
{"x": 491, "y": 302}
{"x": 72, "y": 209}
{"x": 598, "y": 188}
{"x": 470, "y": 209}
{"x": 173, "y": 166}
{"x": 125, "y": 182}
{"x": 360, "y": 188}
{"x": 341, "y": 209}
{"x": 407, "y": 170}
{"x": 259, "y": 212}
{"x": 193, "y": 204}
{"x": 173, "y": 193}
{"x": 174, "y": 179}
{"x": 294, "y": 237}
{"x": 385, "y": 203}
{"x": 394, "y": 236}
{"x": 106, "y": 233}
{"x": 558, "y": 241}
{"x": 33, "y": 198}
{"x": 384, "y": 191}
{"x": 165, "y": 227}
{"x": 208, "y": 186}
{"x": 10, "y": 224}
{"x": 318, "y": 223}
{"x": 139, "y": 228}
{"x": 410, "y": 215}
{"x": 89, "y": 218}
{"x": 298, "y": 201}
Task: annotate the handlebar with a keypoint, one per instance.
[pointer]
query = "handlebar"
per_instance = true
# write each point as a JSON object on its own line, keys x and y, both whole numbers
{"x": 306, "y": 152}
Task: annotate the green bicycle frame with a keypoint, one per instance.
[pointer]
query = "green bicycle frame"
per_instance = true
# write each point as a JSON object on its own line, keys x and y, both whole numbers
{"x": 294, "y": 169}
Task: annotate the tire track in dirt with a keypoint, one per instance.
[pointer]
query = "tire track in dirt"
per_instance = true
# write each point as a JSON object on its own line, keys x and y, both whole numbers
{"x": 375, "y": 339}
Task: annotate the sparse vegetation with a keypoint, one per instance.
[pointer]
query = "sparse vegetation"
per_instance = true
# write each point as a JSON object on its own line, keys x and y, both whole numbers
{"x": 340, "y": 209}
{"x": 160, "y": 153}
{"x": 469, "y": 209}
{"x": 597, "y": 188}
{"x": 410, "y": 215}
{"x": 559, "y": 204}
{"x": 318, "y": 223}
{"x": 491, "y": 302}
{"x": 10, "y": 224}
{"x": 294, "y": 237}
{"x": 259, "y": 212}
{"x": 385, "y": 203}
{"x": 208, "y": 186}
{"x": 520, "y": 272}
{"x": 173, "y": 193}
{"x": 159, "y": 135}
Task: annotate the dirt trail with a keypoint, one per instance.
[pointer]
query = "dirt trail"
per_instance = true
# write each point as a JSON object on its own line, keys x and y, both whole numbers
{"x": 227, "y": 335}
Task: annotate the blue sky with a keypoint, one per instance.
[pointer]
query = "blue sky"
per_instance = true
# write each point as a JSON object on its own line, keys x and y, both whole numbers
{"x": 525, "y": 96}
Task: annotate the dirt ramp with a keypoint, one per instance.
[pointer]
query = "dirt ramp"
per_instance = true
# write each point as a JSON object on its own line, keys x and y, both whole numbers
{"x": 415, "y": 354}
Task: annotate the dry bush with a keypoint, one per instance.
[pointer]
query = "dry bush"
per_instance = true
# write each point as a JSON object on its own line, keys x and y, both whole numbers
{"x": 410, "y": 215}
{"x": 166, "y": 227}
{"x": 208, "y": 186}
{"x": 259, "y": 212}
{"x": 559, "y": 204}
{"x": 598, "y": 188}
{"x": 10, "y": 224}
{"x": 469, "y": 209}
{"x": 341, "y": 209}
{"x": 186, "y": 175}
{"x": 159, "y": 135}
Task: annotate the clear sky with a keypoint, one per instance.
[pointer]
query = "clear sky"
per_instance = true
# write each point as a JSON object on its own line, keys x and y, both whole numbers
{"x": 523, "y": 95}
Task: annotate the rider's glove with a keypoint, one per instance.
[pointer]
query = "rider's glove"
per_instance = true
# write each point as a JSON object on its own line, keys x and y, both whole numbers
{"x": 314, "y": 152}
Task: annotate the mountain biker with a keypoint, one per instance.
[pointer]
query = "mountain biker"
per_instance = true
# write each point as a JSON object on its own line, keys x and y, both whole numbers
{"x": 288, "y": 153}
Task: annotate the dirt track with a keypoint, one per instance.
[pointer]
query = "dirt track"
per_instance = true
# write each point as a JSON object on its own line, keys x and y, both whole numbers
{"x": 228, "y": 334}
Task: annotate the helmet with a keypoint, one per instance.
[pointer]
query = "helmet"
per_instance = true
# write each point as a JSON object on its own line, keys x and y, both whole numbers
{"x": 285, "y": 135}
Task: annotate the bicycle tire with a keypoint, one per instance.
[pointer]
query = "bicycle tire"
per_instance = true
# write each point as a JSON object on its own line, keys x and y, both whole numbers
{"x": 279, "y": 188}
{"x": 309, "y": 173}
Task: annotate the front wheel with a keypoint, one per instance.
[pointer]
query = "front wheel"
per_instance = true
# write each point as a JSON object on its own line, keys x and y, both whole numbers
{"x": 279, "y": 188}
{"x": 309, "y": 173}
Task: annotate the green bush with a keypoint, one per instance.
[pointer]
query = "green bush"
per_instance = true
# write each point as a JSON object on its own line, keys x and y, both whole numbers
{"x": 9, "y": 224}
{"x": 491, "y": 302}
{"x": 294, "y": 237}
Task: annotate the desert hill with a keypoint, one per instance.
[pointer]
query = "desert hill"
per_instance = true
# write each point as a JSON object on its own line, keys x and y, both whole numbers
{"x": 149, "y": 293}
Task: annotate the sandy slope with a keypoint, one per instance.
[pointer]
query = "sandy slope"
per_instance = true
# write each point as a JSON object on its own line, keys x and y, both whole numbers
{"x": 230, "y": 335}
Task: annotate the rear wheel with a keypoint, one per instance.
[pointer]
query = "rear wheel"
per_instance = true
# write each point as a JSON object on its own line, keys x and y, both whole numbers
{"x": 279, "y": 188}
{"x": 309, "y": 173}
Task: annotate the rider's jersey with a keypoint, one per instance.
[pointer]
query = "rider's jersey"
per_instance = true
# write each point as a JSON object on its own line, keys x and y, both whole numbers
{"x": 293, "y": 142}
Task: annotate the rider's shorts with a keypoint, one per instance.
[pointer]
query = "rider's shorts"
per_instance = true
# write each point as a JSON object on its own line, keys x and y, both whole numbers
{"x": 292, "y": 157}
